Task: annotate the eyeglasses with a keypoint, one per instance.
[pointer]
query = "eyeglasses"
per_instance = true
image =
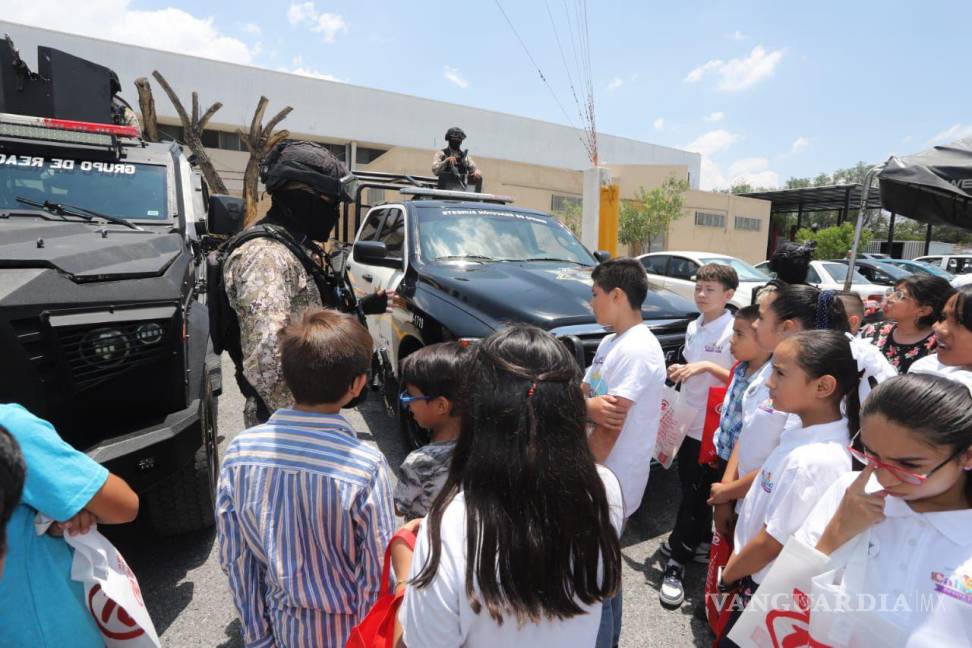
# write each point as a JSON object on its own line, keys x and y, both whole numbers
{"x": 405, "y": 399}
{"x": 901, "y": 474}
{"x": 897, "y": 295}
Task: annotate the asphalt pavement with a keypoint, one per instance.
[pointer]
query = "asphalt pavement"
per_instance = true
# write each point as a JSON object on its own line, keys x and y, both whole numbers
{"x": 190, "y": 602}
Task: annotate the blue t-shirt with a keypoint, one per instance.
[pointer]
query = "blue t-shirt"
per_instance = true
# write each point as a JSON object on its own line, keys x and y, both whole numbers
{"x": 39, "y": 603}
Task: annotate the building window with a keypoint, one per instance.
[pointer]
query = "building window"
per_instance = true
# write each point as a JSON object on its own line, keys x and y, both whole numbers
{"x": 210, "y": 138}
{"x": 708, "y": 219}
{"x": 559, "y": 203}
{"x": 367, "y": 155}
{"x": 751, "y": 224}
{"x": 230, "y": 141}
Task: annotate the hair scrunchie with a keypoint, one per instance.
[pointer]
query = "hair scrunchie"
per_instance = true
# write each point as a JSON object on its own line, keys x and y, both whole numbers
{"x": 824, "y": 300}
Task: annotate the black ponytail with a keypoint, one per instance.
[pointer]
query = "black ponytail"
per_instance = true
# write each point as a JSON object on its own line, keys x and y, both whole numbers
{"x": 812, "y": 308}
{"x": 828, "y": 353}
{"x": 934, "y": 407}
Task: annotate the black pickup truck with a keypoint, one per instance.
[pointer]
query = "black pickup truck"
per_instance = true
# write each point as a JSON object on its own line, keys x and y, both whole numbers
{"x": 469, "y": 266}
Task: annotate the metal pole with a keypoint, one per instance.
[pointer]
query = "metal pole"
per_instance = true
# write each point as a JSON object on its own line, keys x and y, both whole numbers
{"x": 891, "y": 235}
{"x": 928, "y": 237}
{"x": 852, "y": 262}
{"x": 800, "y": 217}
{"x": 846, "y": 210}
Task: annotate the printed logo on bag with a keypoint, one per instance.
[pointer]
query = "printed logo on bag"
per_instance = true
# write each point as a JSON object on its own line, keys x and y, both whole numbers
{"x": 717, "y": 408}
{"x": 112, "y": 620}
{"x": 713, "y": 348}
{"x": 766, "y": 481}
{"x": 766, "y": 406}
{"x": 958, "y": 587}
{"x": 792, "y": 627}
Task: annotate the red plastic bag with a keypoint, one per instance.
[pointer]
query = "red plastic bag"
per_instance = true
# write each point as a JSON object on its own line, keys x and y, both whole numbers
{"x": 718, "y": 606}
{"x": 377, "y": 629}
{"x": 713, "y": 415}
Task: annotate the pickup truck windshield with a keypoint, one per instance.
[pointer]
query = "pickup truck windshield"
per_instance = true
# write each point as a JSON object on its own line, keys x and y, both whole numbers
{"x": 485, "y": 234}
{"x": 133, "y": 191}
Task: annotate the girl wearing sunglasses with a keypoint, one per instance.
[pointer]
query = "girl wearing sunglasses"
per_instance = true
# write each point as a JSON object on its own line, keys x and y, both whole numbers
{"x": 915, "y": 497}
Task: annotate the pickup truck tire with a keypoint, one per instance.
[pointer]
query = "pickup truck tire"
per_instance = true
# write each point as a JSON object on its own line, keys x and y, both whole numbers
{"x": 187, "y": 501}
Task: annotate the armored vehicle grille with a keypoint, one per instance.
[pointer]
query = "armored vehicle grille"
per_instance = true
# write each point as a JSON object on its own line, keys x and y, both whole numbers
{"x": 101, "y": 352}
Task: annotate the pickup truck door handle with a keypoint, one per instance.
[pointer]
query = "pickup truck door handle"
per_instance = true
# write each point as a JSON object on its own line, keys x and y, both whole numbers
{"x": 367, "y": 277}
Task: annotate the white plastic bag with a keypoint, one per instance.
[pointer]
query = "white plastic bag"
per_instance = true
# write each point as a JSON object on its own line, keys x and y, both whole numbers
{"x": 111, "y": 590}
{"x": 675, "y": 417}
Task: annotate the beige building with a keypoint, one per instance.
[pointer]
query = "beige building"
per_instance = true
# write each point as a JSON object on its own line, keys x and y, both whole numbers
{"x": 711, "y": 221}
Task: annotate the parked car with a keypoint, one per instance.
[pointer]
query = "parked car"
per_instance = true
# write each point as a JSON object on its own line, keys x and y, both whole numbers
{"x": 878, "y": 272}
{"x": 959, "y": 265}
{"x": 830, "y": 275}
{"x": 872, "y": 255}
{"x": 920, "y": 267}
{"x": 676, "y": 272}
{"x": 466, "y": 268}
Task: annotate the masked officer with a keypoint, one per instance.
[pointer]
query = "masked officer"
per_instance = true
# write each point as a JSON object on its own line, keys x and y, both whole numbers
{"x": 453, "y": 166}
{"x": 273, "y": 270}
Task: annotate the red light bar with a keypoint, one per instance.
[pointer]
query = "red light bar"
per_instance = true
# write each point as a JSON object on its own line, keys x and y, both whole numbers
{"x": 67, "y": 124}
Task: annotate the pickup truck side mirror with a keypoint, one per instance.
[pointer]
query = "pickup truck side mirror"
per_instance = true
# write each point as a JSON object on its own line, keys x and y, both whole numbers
{"x": 374, "y": 253}
{"x": 602, "y": 255}
{"x": 226, "y": 215}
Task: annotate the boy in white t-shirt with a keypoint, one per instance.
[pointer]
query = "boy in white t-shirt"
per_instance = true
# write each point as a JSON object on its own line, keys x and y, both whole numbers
{"x": 624, "y": 389}
{"x": 708, "y": 360}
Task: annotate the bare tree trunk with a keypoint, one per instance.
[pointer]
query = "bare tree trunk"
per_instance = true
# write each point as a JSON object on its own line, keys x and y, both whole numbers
{"x": 259, "y": 141}
{"x": 193, "y": 128}
{"x": 146, "y": 104}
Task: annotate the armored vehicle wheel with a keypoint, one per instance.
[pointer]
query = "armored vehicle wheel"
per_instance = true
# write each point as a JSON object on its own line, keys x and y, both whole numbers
{"x": 187, "y": 501}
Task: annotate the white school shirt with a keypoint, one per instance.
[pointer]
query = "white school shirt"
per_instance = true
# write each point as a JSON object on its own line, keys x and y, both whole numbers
{"x": 631, "y": 366}
{"x": 931, "y": 365}
{"x": 705, "y": 342}
{"x": 920, "y": 562}
{"x": 791, "y": 481}
{"x": 439, "y": 615}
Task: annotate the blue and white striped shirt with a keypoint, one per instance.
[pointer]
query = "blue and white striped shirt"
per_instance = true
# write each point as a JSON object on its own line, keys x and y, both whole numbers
{"x": 304, "y": 512}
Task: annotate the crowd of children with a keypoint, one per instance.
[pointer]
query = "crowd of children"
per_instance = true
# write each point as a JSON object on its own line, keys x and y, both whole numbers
{"x": 519, "y": 500}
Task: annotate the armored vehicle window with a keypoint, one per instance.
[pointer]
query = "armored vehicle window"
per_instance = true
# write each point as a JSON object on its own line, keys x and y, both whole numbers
{"x": 496, "y": 234}
{"x": 134, "y": 191}
{"x": 393, "y": 233}
{"x": 371, "y": 225}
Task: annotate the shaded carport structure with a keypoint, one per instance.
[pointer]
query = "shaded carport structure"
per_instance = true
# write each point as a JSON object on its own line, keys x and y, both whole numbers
{"x": 840, "y": 198}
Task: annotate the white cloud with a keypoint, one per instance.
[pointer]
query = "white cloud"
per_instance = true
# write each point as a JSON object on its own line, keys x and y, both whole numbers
{"x": 799, "y": 144}
{"x": 615, "y": 83}
{"x": 324, "y": 23}
{"x": 307, "y": 72}
{"x": 754, "y": 171}
{"x": 737, "y": 35}
{"x": 168, "y": 29}
{"x": 252, "y": 29}
{"x": 714, "y": 117}
{"x": 713, "y": 142}
{"x": 453, "y": 75}
{"x": 739, "y": 73}
{"x": 659, "y": 124}
{"x": 949, "y": 135}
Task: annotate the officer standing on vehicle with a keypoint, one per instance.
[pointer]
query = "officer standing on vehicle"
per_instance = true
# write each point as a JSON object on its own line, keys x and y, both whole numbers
{"x": 453, "y": 166}
{"x": 273, "y": 270}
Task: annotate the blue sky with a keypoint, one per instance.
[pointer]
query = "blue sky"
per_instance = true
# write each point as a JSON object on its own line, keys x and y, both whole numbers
{"x": 764, "y": 90}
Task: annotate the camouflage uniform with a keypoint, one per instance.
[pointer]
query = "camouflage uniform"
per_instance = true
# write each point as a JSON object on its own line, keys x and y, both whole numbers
{"x": 422, "y": 476}
{"x": 440, "y": 166}
{"x": 266, "y": 285}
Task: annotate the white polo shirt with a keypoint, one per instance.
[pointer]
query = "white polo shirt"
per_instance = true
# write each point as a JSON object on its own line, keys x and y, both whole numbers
{"x": 921, "y": 563}
{"x": 791, "y": 481}
{"x": 705, "y": 342}
{"x": 931, "y": 365}
{"x": 632, "y": 366}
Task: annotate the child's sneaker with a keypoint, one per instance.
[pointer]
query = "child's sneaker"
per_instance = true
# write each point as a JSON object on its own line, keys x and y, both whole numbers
{"x": 672, "y": 592}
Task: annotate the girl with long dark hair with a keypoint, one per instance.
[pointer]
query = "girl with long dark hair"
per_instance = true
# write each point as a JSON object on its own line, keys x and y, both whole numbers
{"x": 521, "y": 546}
{"x": 914, "y": 499}
{"x": 954, "y": 335}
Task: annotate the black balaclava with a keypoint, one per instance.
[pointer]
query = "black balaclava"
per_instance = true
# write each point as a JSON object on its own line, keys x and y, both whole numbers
{"x": 303, "y": 214}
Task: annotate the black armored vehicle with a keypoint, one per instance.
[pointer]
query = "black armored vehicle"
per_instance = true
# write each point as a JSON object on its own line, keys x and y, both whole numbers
{"x": 467, "y": 264}
{"x": 103, "y": 330}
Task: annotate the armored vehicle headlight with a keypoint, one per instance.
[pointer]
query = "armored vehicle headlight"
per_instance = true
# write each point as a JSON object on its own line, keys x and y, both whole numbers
{"x": 105, "y": 347}
{"x": 149, "y": 333}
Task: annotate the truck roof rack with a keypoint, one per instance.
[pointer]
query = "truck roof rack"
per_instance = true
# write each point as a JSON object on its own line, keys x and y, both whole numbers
{"x": 62, "y": 134}
{"x": 445, "y": 194}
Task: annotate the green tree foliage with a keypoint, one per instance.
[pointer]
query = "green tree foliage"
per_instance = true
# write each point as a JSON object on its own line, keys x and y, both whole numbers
{"x": 570, "y": 215}
{"x": 833, "y": 242}
{"x": 650, "y": 213}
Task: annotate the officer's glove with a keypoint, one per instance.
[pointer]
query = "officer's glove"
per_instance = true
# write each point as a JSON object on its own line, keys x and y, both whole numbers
{"x": 375, "y": 304}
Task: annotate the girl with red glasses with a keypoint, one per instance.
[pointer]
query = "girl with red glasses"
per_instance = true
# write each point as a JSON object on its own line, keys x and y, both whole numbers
{"x": 914, "y": 498}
